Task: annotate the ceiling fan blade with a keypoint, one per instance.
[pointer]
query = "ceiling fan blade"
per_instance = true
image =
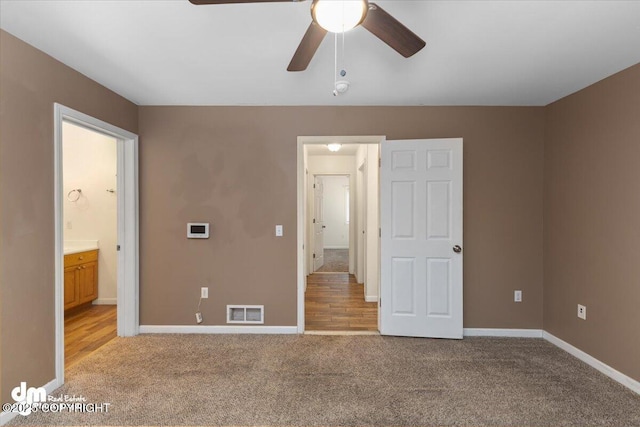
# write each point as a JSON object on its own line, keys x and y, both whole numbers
{"x": 201, "y": 2}
{"x": 392, "y": 32}
{"x": 307, "y": 48}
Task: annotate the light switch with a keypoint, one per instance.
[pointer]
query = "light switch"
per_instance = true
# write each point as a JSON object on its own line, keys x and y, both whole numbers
{"x": 279, "y": 231}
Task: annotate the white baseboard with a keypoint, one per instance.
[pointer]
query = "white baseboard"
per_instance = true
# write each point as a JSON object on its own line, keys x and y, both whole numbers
{"x": 495, "y": 332}
{"x": 594, "y": 363}
{"x": 371, "y": 298}
{"x": 336, "y": 247}
{"x": 52, "y": 385}
{"x": 210, "y": 329}
{"x": 106, "y": 301}
{"x": 49, "y": 387}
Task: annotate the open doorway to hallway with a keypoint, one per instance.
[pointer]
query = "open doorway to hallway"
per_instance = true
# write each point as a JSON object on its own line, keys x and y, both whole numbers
{"x": 340, "y": 279}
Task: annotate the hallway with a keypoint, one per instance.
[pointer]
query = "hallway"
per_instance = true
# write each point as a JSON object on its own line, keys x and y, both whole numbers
{"x": 335, "y": 302}
{"x": 335, "y": 261}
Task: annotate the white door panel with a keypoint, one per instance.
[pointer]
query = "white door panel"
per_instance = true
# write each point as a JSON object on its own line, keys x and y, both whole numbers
{"x": 421, "y": 221}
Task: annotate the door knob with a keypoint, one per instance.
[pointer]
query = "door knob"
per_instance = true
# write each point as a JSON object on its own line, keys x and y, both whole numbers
{"x": 457, "y": 249}
{"x": 324, "y": 226}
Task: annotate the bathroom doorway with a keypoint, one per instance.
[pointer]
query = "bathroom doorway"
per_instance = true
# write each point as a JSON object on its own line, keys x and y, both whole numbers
{"x": 90, "y": 232}
{"x": 126, "y": 244}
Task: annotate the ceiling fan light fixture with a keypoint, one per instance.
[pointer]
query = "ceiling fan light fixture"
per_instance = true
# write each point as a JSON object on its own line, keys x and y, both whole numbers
{"x": 338, "y": 16}
{"x": 334, "y": 147}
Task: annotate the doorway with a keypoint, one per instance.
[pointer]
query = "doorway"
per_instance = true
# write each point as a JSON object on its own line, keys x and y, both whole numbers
{"x": 114, "y": 198}
{"x": 340, "y": 293}
{"x": 332, "y": 224}
{"x": 89, "y": 165}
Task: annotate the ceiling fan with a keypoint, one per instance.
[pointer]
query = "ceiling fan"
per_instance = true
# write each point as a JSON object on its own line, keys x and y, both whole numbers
{"x": 339, "y": 16}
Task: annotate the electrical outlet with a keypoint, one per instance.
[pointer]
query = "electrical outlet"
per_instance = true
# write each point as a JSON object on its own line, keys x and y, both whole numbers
{"x": 204, "y": 293}
{"x": 198, "y": 317}
{"x": 279, "y": 231}
{"x": 582, "y": 312}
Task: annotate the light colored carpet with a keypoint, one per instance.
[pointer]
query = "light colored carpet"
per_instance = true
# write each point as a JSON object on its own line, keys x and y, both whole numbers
{"x": 335, "y": 261}
{"x": 248, "y": 380}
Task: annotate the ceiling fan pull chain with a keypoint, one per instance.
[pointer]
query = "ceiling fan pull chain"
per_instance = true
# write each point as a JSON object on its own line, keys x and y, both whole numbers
{"x": 343, "y": 71}
{"x": 335, "y": 63}
{"x": 340, "y": 86}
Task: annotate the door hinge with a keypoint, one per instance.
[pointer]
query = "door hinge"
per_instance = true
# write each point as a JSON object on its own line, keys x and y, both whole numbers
{"x": 314, "y": 255}
{"x": 380, "y": 232}
{"x": 379, "y": 162}
{"x": 117, "y": 247}
{"x": 380, "y": 302}
{"x": 314, "y": 186}
{"x": 314, "y": 220}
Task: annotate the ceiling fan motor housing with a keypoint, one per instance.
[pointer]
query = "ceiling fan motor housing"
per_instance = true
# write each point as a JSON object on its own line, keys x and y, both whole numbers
{"x": 318, "y": 4}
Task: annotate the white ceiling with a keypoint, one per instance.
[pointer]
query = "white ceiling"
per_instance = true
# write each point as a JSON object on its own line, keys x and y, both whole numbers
{"x": 170, "y": 52}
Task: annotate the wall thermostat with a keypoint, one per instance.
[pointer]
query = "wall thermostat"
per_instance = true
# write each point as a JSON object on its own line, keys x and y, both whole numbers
{"x": 198, "y": 230}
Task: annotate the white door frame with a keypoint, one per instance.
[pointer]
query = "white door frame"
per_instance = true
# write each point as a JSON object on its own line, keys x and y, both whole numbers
{"x": 361, "y": 223}
{"x": 127, "y": 195}
{"x": 301, "y": 200}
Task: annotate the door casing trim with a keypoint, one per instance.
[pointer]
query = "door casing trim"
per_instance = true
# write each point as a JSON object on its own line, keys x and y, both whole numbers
{"x": 128, "y": 225}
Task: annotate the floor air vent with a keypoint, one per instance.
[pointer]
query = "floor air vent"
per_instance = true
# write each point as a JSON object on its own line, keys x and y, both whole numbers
{"x": 253, "y": 314}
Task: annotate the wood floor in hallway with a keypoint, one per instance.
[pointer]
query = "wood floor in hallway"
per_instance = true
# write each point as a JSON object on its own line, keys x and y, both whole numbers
{"x": 335, "y": 302}
{"x": 86, "y": 329}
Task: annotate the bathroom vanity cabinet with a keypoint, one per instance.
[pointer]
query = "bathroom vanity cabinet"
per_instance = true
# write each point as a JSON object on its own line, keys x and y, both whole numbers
{"x": 80, "y": 278}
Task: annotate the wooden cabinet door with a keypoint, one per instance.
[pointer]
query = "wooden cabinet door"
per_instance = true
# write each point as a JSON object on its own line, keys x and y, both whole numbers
{"x": 71, "y": 288}
{"x": 88, "y": 281}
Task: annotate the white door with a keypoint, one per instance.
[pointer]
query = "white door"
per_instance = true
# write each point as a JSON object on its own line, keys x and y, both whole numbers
{"x": 318, "y": 224}
{"x": 421, "y": 238}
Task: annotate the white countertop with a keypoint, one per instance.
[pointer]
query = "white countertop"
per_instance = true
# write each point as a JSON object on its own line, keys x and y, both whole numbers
{"x": 75, "y": 246}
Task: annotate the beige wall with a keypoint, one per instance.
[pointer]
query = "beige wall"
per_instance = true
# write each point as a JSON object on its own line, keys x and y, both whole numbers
{"x": 30, "y": 82}
{"x": 236, "y": 167}
{"x": 592, "y": 220}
